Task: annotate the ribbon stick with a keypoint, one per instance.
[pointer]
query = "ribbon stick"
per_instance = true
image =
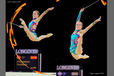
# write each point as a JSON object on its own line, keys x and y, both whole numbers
{"x": 91, "y": 4}
{"x": 103, "y": 2}
{"x": 13, "y": 24}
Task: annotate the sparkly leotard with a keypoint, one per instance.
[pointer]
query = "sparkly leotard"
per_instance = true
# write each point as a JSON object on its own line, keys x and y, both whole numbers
{"x": 31, "y": 24}
{"x": 74, "y": 42}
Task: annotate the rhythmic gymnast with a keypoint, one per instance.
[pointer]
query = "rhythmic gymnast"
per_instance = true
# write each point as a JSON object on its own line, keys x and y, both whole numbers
{"x": 30, "y": 30}
{"x": 76, "y": 49}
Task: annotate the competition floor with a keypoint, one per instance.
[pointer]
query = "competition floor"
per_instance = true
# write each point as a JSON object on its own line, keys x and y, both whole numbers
{"x": 27, "y": 74}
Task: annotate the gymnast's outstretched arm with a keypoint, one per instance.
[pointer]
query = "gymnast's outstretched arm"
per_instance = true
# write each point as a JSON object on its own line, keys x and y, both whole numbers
{"x": 91, "y": 25}
{"x": 79, "y": 15}
{"x": 43, "y": 14}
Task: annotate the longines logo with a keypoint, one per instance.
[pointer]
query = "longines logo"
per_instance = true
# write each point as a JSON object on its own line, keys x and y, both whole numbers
{"x": 26, "y": 51}
{"x": 68, "y": 67}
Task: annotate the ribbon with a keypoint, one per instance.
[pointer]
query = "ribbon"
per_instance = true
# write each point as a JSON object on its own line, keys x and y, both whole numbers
{"x": 103, "y": 2}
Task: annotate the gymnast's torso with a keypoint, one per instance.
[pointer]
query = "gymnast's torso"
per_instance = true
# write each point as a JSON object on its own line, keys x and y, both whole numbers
{"x": 74, "y": 41}
{"x": 32, "y": 27}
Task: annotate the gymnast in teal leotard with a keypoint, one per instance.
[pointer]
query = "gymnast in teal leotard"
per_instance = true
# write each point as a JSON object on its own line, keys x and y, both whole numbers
{"x": 77, "y": 38}
{"x": 30, "y": 30}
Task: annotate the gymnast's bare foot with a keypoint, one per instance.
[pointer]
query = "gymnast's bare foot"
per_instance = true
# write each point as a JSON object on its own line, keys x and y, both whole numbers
{"x": 83, "y": 56}
{"x": 49, "y": 35}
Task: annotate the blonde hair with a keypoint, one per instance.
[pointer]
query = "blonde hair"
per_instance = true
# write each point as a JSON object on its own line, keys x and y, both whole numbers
{"x": 37, "y": 12}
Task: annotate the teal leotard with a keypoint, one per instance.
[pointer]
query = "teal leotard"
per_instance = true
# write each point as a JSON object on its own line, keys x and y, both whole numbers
{"x": 31, "y": 24}
{"x": 31, "y": 29}
{"x": 74, "y": 42}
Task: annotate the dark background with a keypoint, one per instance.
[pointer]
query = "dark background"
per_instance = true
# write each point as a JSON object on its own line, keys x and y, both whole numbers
{"x": 61, "y": 22}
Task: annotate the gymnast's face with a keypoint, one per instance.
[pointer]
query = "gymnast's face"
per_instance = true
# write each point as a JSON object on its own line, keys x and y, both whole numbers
{"x": 35, "y": 14}
{"x": 79, "y": 25}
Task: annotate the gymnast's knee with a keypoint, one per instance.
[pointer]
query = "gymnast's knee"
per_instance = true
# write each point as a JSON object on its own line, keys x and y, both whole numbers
{"x": 32, "y": 39}
{"x": 36, "y": 40}
{"x": 75, "y": 56}
{"x": 79, "y": 52}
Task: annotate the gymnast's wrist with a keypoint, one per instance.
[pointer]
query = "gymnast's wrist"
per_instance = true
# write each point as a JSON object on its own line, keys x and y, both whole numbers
{"x": 24, "y": 24}
{"x": 46, "y": 11}
{"x": 80, "y": 12}
{"x": 94, "y": 23}
{"x": 23, "y": 27}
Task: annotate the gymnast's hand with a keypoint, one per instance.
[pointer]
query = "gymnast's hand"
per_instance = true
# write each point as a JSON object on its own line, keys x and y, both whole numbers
{"x": 82, "y": 9}
{"x": 22, "y": 21}
{"x": 50, "y": 9}
{"x": 20, "y": 26}
{"x": 98, "y": 20}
